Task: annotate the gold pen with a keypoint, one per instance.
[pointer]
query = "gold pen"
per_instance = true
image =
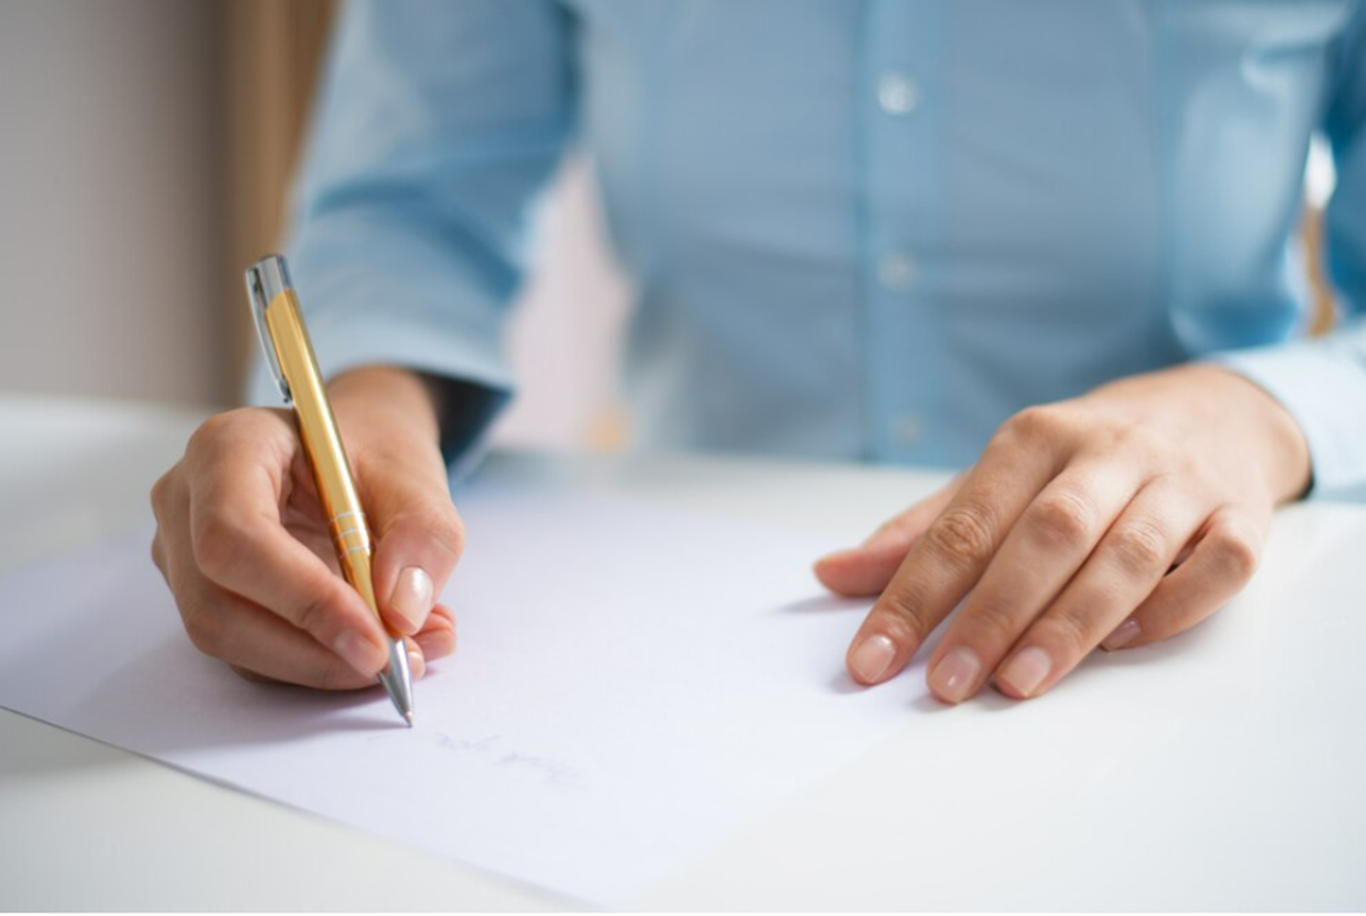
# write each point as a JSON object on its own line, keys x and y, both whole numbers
{"x": 289, "y": 353}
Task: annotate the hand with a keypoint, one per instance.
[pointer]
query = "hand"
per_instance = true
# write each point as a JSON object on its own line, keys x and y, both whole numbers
{"x": 243, "y": 544}
{"x": 1065, "y": 533}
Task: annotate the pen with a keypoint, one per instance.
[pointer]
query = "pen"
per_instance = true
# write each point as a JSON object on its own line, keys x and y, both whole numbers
{"x": 289, "y": 353}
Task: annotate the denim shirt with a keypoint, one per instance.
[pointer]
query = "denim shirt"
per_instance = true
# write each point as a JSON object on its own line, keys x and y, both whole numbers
{"x": 858, "y": 230}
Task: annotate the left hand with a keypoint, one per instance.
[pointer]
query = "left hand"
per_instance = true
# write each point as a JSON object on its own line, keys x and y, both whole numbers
{"x": 1065, "y": 533}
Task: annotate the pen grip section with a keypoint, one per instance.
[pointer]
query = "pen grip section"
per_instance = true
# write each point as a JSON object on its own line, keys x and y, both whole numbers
{"x": 351, "y": 537}
{"x": 350, "y": 533}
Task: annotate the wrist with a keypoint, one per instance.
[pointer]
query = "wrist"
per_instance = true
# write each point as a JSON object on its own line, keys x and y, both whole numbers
{"x": 387, "y": 403}
{"x": 1286, "y": 461}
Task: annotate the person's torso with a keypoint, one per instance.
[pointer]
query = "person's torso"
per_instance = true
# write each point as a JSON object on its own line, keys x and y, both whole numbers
{"x": 878, "y": 229}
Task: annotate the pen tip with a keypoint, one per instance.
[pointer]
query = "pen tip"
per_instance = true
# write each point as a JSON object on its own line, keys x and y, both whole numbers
{"x": 409, "y": 716}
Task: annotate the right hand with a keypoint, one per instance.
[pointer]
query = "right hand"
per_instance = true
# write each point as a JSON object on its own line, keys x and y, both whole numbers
{"x": 243, "y": 544}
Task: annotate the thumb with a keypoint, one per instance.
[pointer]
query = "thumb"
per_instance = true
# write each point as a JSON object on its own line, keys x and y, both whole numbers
{"x": 418, "y": 533}
{"x": 867, "y": 568}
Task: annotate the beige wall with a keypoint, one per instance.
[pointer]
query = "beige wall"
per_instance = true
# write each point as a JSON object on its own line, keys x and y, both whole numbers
{"x": 120, "y": 218}
{"x": 110, "y": 278}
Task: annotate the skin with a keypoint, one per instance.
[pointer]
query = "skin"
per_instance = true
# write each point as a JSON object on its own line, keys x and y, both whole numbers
{"x": 1125, "y": 516}
{"x": 243, "y": 545}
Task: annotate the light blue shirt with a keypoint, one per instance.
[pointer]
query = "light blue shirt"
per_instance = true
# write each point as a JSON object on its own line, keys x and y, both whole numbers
{"x": 859, "y": 230}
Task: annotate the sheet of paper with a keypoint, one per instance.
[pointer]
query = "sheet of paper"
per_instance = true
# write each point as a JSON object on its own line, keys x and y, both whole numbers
{"x": 632, "y": 684}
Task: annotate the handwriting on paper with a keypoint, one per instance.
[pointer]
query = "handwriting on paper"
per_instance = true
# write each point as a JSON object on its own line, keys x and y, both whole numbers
{"x": 494, "y": 751}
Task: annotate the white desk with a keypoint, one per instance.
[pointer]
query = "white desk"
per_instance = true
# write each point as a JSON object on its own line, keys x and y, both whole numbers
{"x": 1249, "y": 792}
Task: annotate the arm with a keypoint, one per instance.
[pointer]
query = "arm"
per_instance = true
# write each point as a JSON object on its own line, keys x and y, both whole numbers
{"x": 1322, "y": 383}
{"x": 437, "y": 124}
{"x": 1130, "y": 514}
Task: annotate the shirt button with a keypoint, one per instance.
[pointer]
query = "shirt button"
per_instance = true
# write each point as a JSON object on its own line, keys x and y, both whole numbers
{"x": 897, "y": 93}
{"x": 896, "y": 271}
{"x": 904, "y": 428}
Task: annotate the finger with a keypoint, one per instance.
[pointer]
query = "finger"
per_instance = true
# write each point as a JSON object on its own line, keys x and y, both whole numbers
{"x": 417, "y": 660}
{"x": 417, "y": 669}
{"x": 259, "y": 645}
{"x": 418, "y": 534}
{"x": 1224, "y": 558}
{"x": 951, "y": 555}
{"x": 1046, "y": 546}
{"x": 866, "y": 569}
{"x": 225, "y": 625}
{"x": 1126, "y": 566}
{"x": 437, "y": 636}
{"x": 170, "y": 502}
{"x": 240, "y": 544}
{"x": 251, "y": 638}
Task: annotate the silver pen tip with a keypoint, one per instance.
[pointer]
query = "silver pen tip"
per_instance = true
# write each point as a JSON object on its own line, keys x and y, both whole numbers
{"x": 409, "y": 716}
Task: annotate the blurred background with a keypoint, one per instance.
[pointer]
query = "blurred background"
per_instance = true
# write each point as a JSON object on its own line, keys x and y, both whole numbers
{"x": 145, "y": 157}
{"x": 146, "y": 148}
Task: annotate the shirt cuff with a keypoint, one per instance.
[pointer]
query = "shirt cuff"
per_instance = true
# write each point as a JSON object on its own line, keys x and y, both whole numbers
{"x": 484, "y": 384}
{"x": 1322, "y": 384}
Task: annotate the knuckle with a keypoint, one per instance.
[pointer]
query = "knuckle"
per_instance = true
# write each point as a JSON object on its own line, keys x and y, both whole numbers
{"x": 158, "y": 494}
{"x": 205, "y": 630}
{"x": 210, "y": 433}
{"x": 1165, "y": 456}
{"x": 1236, "y": 551}
{"x": 1039, "y": 423}
{"x": 446, "y": 528}
{"x": 1140, "y": 547}
{"x": 1064, "y": 518}
{"x": 1138, "y": 438}
{"x": 219, "y": 430}
{"x": 963, "y": 535}
{"x": 217, "y": 541}
{"x": 1073, "y": 630}
{"x": 901, "y": 605}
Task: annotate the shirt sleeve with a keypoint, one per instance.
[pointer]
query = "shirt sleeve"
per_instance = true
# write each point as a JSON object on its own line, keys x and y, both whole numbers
{"x": 1322, "y": 382}
{"x": 436, "y": 127}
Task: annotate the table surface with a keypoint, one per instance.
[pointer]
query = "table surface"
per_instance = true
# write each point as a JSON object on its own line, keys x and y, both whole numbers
{"x": 1221, "y": 770}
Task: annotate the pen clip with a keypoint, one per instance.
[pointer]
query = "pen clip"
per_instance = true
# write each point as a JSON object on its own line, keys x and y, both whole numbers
{"x": 269, "y": 270}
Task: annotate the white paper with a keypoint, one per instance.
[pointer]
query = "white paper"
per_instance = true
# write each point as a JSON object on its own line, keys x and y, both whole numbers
{"x": 632, "y": 684}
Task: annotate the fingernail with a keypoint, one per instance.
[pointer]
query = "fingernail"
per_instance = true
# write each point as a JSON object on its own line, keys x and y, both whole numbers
{"x": 412, "y": 598}
{"x": 417, "y": 665}
{"x": 955, "y": 675}
{"x": 1026, "y": 671}
{"x": 1123, "y": 635}
{"x": 872, "y": 658}
{"x": 358, "y": 651}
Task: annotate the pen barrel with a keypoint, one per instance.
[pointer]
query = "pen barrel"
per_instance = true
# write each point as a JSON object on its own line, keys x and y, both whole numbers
{"x": 322, "y": 442}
